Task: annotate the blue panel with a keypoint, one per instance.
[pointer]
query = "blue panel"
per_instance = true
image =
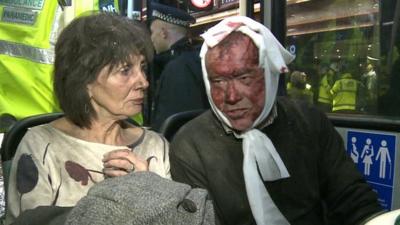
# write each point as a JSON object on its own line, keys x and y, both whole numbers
{"x": 385, "y": 194}
{"x": 374, "y": 155}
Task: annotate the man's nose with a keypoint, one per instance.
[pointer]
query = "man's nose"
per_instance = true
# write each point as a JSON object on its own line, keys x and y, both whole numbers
{"x": 232, "y": 94}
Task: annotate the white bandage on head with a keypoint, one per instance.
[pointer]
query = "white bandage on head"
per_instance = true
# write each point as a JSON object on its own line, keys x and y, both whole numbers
{"x": 272, "y": 57}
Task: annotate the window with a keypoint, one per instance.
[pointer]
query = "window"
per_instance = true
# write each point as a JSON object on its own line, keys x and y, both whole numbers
{"x": 347, "y": 55}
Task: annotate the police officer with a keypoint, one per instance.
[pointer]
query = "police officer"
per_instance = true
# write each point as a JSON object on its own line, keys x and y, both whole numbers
{"x": 177, "y": 77}
{"x": 348, "y": 95}
{"x": 369, "y": 79}
{"x": 325, "y": 86}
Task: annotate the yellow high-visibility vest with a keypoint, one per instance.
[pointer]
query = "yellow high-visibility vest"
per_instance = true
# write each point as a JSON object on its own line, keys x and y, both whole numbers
{"x": 28, "y": 32}
{"x": 344, "y": 93}
{"x": 324, "y": 94}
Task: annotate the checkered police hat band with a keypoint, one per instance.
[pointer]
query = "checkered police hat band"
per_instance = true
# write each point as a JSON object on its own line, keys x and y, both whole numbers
{"x": 170, "y": 19}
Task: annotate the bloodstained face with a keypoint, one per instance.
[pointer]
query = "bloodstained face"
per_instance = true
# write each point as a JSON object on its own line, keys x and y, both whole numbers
{"x": 236, "y": 80}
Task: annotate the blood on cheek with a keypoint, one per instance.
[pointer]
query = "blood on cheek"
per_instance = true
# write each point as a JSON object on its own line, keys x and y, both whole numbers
{"x": 256, "y": 92}
{"x": 217, "y": 94}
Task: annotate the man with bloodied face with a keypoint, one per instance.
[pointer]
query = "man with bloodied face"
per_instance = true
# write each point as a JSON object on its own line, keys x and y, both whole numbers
{"x": 264, "y": 160}
{"x": 236, "y": 80}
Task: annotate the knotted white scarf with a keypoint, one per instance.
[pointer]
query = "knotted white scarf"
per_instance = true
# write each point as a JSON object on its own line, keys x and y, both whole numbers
{"x": 258, "y": 150}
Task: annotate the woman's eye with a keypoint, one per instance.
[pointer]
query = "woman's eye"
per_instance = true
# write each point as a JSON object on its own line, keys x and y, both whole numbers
{"x": 125, "y": 70}
{"x": 144, "y": 67}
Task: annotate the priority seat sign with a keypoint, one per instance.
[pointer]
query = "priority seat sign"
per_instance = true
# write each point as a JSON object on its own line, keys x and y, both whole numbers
{"x": 375, "y": 157}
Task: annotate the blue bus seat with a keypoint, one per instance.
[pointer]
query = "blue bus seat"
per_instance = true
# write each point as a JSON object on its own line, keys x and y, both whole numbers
{"x": 14, "y": 135}
{"x": 11, "y": 141}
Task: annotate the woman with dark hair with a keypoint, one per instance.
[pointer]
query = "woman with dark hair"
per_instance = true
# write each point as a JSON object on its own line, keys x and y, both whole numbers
{"x": 99, "y": 81}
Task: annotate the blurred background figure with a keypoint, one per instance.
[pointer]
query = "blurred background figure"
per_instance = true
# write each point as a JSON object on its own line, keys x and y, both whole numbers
{"x": 298, "y": 89}
{"x": 176, "y": 78}
{"x": 369, "y": 79}
{"x": 328, "y": 74}
{"x": 348, "y": 94}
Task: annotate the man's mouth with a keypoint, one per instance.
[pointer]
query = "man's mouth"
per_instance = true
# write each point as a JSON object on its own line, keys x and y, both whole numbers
{"x": 236, "y": 113}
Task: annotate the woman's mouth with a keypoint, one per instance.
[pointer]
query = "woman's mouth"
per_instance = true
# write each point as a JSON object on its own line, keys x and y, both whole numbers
{"x": 138, "y": 101}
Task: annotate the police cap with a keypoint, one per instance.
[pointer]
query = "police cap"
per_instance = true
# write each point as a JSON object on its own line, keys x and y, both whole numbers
{"x": 171, "y": 15}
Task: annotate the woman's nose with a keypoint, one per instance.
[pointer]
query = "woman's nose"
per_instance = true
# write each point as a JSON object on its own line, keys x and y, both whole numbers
{"x": 142, "y": 83}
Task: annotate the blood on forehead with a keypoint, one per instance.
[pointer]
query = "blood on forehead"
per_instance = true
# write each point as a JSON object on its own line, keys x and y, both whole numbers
{"x": 233, "y": 54}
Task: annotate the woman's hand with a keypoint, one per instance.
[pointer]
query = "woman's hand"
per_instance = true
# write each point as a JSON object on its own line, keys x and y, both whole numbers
{"x": 121, "y": 162}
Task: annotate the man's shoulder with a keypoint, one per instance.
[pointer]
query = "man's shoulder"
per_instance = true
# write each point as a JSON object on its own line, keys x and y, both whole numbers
{"x": 290, "y": 105}
{"x": 296, "y": 111}
{"x": 202, "y": 122}
{"x": 201, "y": 126}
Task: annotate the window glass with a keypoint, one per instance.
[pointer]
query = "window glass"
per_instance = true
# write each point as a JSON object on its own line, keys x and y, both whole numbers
{"x": 347, "y": 55}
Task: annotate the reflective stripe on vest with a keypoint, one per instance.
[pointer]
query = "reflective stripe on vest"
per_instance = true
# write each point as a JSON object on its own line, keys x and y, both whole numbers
{"x": 18, "y": 31}
{"x": 44, "y": 56}
{"x": 27, "y": 56}
{"x": 30, "y": 41}
{"x": 28, "y": 31}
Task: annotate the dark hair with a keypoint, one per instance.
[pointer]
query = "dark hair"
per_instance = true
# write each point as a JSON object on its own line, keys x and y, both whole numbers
{"x": 297, "y": 79}
{"x": 87, "y": 45}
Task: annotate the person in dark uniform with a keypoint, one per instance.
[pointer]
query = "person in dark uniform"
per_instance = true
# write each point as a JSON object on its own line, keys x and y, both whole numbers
{"x": 177, "y": 77}
{"x": 298, "y": 89}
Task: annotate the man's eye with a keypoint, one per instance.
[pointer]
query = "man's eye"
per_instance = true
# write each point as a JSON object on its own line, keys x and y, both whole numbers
{"x": 245, "y": 79}
{"x": 217, "y": 81}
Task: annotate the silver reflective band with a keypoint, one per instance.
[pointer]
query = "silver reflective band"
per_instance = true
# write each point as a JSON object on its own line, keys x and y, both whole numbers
{"x": 45, "y": 56}
{"x": 21, "y": 16}
{"x": 55, "y": 28}
{"x": 30, "y": 4}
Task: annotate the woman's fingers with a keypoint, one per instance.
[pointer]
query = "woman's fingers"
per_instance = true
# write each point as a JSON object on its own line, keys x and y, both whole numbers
{"x": 112, "y": 172}
{"x": 118, "y": 153}
{"x": 119, "y": 163}
{"x": 122, "y": 161}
